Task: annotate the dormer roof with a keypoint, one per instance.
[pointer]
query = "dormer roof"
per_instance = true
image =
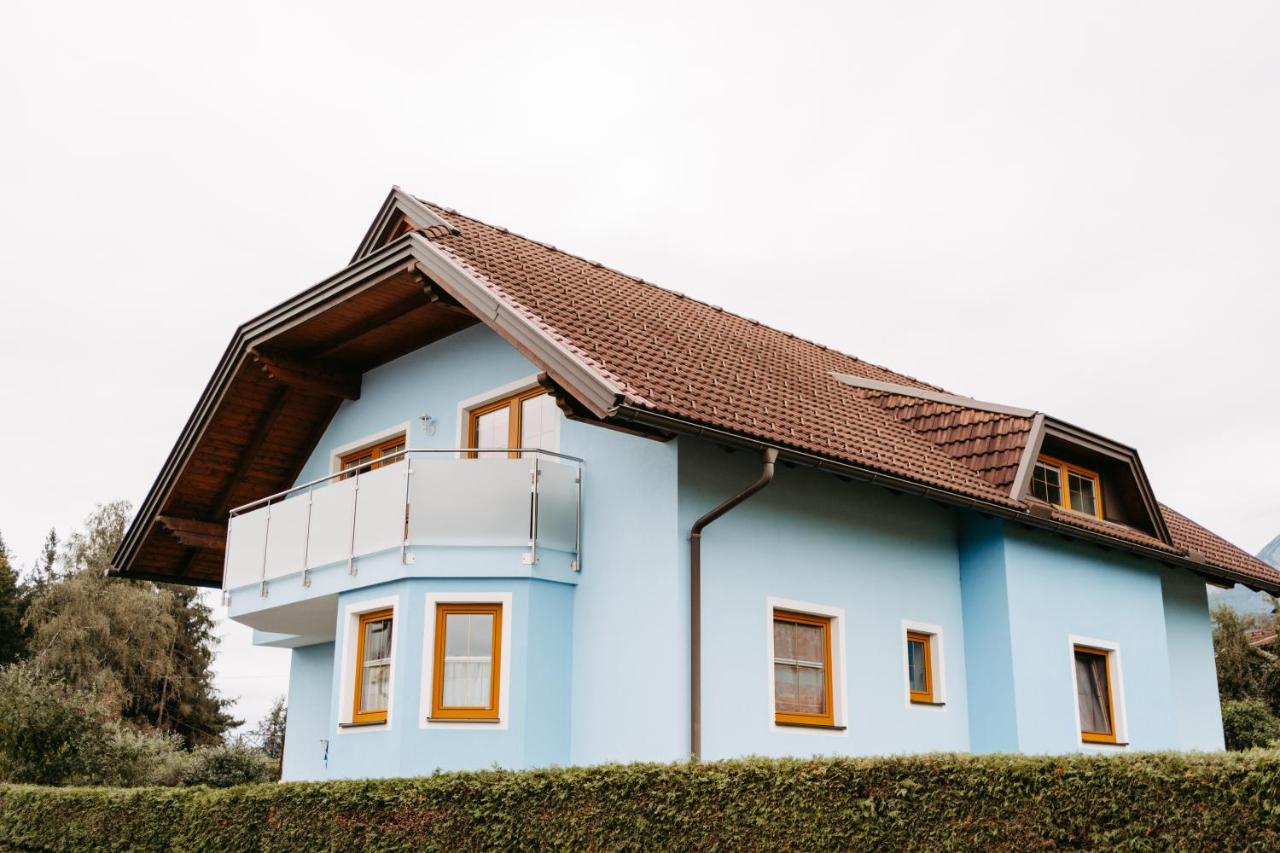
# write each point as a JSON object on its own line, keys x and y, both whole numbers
{"x": 624, "y": 352}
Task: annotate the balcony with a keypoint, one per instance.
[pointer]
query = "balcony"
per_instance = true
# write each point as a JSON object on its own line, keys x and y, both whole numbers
{"x": 528, "y": 499}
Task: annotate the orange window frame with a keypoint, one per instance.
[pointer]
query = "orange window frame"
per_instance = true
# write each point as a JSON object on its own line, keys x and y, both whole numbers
{"x": 357, "y": 716}
{"x": 923, "y": 696}
{"x": 385, "y": 447}
{"x": 1100, "y": 737}
{"x": 438, "y": 709}
{"x": 514, "y": 418}
{"x": 1064, "y": 484}
{"x": 796, "y": 718}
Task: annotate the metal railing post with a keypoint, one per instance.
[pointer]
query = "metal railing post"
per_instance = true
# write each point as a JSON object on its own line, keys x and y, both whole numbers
{"x": 576, "y": 565}
{"x": 306, "y": 545}
{"x": 266, "y": 541}
{"x": 404, "y": 540}
{"x": 355, "y": 506}
{"x": 533, "y": 511}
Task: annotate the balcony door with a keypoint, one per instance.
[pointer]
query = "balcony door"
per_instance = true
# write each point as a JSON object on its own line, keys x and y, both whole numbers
{"x": 528, "y": 420}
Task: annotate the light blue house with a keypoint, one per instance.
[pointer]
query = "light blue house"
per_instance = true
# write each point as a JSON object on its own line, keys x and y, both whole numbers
{"x": 510, "y": 507}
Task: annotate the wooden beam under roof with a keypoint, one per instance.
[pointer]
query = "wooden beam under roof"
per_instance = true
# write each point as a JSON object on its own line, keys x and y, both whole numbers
{"x": 331, "y": 382}
{"x": 195, "y": 533}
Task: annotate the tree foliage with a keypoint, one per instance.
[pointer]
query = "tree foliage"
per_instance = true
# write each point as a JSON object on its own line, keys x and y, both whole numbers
{"x": 268, "y": 735}
{"x": 145, "y": 650}
{"x": 13, "y": 634}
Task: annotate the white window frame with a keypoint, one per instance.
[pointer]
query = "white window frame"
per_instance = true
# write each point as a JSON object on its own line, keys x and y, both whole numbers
{"x": 839, "y": 684}
{"x": 1121, "y": 722}
{"x": 484, "y": 399}
{"x": 937, "y": 668}
{"x": 336, "y": 454}
{"x": 350, "y": 636}
{"x": 433, "y": 599}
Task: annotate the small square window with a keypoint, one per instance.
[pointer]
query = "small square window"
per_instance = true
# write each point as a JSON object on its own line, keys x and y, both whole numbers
{"x": 1046, "y": 483}
{"x": 1067, "y": 486}
{"x": 802, "y": 692}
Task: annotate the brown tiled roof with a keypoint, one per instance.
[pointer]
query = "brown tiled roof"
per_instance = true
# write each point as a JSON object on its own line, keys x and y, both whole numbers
{"x": 677, "y": 356}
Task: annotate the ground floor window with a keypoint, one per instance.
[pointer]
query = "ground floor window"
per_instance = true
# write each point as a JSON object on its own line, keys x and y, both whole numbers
{"x": 920, "y": 666}
{"x": 467, "y": 661}
{"x": 1095, "y": 693}
{"x": 373, "y": 667}
{"x": 802, "y": 693}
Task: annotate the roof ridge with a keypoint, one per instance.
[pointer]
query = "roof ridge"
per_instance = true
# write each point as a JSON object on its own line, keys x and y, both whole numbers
{"x": 676, "y": 293}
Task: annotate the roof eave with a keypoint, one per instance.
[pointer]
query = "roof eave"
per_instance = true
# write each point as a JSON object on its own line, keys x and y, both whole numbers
{"x": 1010, "y": 511}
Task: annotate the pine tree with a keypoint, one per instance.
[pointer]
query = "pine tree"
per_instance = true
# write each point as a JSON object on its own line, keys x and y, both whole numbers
{"x": 44, "y": 571}
{"x": 13, "y": 636}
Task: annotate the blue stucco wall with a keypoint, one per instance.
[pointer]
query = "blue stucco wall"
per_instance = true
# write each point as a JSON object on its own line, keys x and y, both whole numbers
{"x": 810, "y": 537}
{"x": 307, "y": 727}
{"x": 599, "y": 659}
{"x": 993, "y": 722}
{"x": 1193, "y": 674}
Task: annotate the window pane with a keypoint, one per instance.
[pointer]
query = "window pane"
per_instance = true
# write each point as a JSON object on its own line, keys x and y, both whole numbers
{"x": 540, "y": 423}
{"x": 916, "y": 666}
{"x": 799, "y": 668}
{"x": 377, "y": 640}
{"x": 1082, "y": 496}
{"x": 491, "y": 429}
{"x": 1046, "y": 483}
{"x": 1092, "y": 693}
{"x": 375, "y": 685}
{"x": 468, "y": 660}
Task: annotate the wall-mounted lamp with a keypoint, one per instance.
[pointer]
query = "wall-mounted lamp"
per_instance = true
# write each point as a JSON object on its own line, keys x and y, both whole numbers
{"x": 428, "y": 423}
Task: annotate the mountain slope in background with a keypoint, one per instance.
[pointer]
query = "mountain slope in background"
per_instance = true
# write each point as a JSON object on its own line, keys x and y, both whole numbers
{"x": 1243, "y": 599}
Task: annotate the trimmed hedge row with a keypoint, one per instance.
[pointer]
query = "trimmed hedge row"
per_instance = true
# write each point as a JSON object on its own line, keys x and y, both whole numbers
{"x": 1139, "y": 802}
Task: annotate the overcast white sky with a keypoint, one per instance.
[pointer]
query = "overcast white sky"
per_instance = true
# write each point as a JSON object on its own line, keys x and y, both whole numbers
{"x": 1072, "y": 207}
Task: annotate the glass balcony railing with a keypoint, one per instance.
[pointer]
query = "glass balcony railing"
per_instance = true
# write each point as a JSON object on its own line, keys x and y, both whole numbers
{"x": 515, "y": 497}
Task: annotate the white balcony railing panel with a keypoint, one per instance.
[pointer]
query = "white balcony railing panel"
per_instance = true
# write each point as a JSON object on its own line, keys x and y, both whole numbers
{"x": 470, "y": 502}
{"x": 380, "y": 509}
{"x": 558, "y": 506}
{"x": 331, "y": 508}
{"x": 287, "y": 537}
{"x": 245, "y": 537}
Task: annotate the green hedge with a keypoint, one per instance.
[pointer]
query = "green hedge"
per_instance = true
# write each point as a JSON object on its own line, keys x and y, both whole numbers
{"x": 1140, "y": 802}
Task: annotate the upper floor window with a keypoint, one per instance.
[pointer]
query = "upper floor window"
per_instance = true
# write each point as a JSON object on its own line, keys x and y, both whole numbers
{"x": 802, "y": 692}
{"x": 373, "y": 667}
{"x": 1068, "y": 486}
{"x": 528, "y": 419}
{"x": 372, "y": 456}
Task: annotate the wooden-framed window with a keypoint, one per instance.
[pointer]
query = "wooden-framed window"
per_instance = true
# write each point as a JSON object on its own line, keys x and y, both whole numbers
{"x": 373, "y": 667}
{"x": 920, "y": 667}
{"x": 802, "y": 693}
{"x": 370, "y": 457}
{"x": 467, "y": 661}
{"x": 1095, "y": 690}
{"x": 1068, "y": 486}
{"x": 525, "y": 419}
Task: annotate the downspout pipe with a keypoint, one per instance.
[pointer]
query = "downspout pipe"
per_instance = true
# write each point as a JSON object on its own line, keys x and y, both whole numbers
{"x": 695, "y": 597}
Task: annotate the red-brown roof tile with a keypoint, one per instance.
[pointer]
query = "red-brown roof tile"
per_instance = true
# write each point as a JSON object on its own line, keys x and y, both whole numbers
{"x": 677, "y": 356}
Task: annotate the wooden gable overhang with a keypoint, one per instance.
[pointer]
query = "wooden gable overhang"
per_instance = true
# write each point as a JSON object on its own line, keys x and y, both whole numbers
{"x": 284, "y": 374}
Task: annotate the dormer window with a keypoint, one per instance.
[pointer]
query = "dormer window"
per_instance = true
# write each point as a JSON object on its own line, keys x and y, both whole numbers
{"x": 1068, "y": 486}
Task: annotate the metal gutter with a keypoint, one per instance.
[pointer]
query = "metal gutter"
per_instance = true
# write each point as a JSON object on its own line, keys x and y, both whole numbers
{"x": 1017, "y": 514}
{"x": 695, "y": 596}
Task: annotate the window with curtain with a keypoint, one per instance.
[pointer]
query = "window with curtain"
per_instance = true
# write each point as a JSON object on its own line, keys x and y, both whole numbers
{"x": 1093, "y": 694}
{"x": 528, "y": 419}
{"x": 920, "y": 666}
{"x": 373, "y": 667}
{"x": 802, "y": 669}
{"x": 467, "y": 660}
